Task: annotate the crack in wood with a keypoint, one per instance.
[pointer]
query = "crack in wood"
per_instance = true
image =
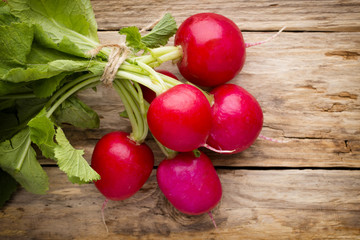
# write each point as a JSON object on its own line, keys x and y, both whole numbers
{"x": 347, "y": 145}
{"x": 282, "y": 168}
{"x": 309, "y": 138}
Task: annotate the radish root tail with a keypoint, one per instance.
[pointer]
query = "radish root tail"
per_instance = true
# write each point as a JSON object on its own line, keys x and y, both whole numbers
{"x": 266, "y": 40}
{"x": 212, "y": 219}
{"x": 217, "y": 150}
{"x": 103, "y": 215}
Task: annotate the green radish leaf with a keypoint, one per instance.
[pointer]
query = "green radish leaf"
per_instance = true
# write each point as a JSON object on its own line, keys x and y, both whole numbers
{"x": 77, "y": 180}
{"x": 18, "y": 159}
{"x": 42, "y": 133}
{"x": 133, "y": 38}
{"x": 29, "y": 108}
{"x": 75, "y": 112}
{"x": 15, "y": 44}
{"x": 67, "y": 25}
{"x": 5, "y": 16}
{"x": 21, "y": 74}
{"x": 8, "y": 125}
{"x": 71, "y": 161}
{"x": 157, "y": 37}
{"x": 6, "y": 103}
{"x": 160, "y": 34}
{"x": 46, "y": 87}
{"x": 42, "y": 63}
{"x": 94, "y": 66}
{"x": 7, "y": 88}
{"x": 124, "y": 114}
{"x": 15, "y": 117}
{"x": 8, "y": 187}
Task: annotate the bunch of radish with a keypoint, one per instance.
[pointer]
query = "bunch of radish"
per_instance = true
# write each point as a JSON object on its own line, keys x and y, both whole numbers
{"x": 183, "y": 117}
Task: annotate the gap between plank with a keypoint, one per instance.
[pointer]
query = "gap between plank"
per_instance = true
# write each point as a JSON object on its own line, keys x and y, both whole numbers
{"x": 263, "y": 168}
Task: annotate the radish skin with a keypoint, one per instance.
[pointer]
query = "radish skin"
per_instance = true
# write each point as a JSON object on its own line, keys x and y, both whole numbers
{"x": 190, "y": 183}
{"x": 214, "y": 50}
{"x": 123, "y": 165}
{"x": 237, "y": 119}
{"x": 179, "y": 118}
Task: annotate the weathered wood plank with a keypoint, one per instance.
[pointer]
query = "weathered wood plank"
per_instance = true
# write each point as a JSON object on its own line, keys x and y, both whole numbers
{"x": 292, "y": 204}
{"x": 248, "y": 15}
{"x": 308, "y": 86}
{"x": 309, "y": 95}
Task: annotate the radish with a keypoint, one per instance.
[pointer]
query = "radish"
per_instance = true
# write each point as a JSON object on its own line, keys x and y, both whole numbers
{"x": 123, "y": 165}
{"x": 213, "y": 49}
{"x": 237, "y": 119}
{"x": 167, "y": 73}
{"x": 190, "y": 183}
{"x": 148, "y": 94}
{"x": 180, "y": 118}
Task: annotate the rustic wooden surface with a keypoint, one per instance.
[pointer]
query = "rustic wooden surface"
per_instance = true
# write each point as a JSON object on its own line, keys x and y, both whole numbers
{"x": 308, "y": 83}
{"x": 256, "y": 204}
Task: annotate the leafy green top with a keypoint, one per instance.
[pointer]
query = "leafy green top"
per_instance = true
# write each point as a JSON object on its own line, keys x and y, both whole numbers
{"x": 44, "y": 61}
{"x": 158, "y": 36}
{"x": 68, "y": 25}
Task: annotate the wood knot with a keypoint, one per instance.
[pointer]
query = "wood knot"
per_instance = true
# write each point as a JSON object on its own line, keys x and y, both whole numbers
{"x": 347, "y": 55}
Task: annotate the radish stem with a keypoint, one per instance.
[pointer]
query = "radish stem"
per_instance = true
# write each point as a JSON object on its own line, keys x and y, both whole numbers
{"x": 71, "y": 92}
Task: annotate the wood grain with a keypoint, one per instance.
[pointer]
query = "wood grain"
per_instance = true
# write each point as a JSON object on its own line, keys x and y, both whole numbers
{"x": 249, "y": 15}
{"x": 292, "y": 204}
{"x": 307, "y": 82}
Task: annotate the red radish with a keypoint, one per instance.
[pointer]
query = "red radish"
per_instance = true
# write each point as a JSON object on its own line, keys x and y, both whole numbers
{"x": 237, "y": 118}
{"x": 190, "y": 183}
{"x": 213, "y": 49}
{"x": 149, "y": 94}
{"x": 180, "y": 118}
{"x": 123, "y": 165}
{"x": 167, "y": 73}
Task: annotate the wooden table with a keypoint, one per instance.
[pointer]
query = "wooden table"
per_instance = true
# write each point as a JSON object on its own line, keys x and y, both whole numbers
{"x": 308, "y": 83}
